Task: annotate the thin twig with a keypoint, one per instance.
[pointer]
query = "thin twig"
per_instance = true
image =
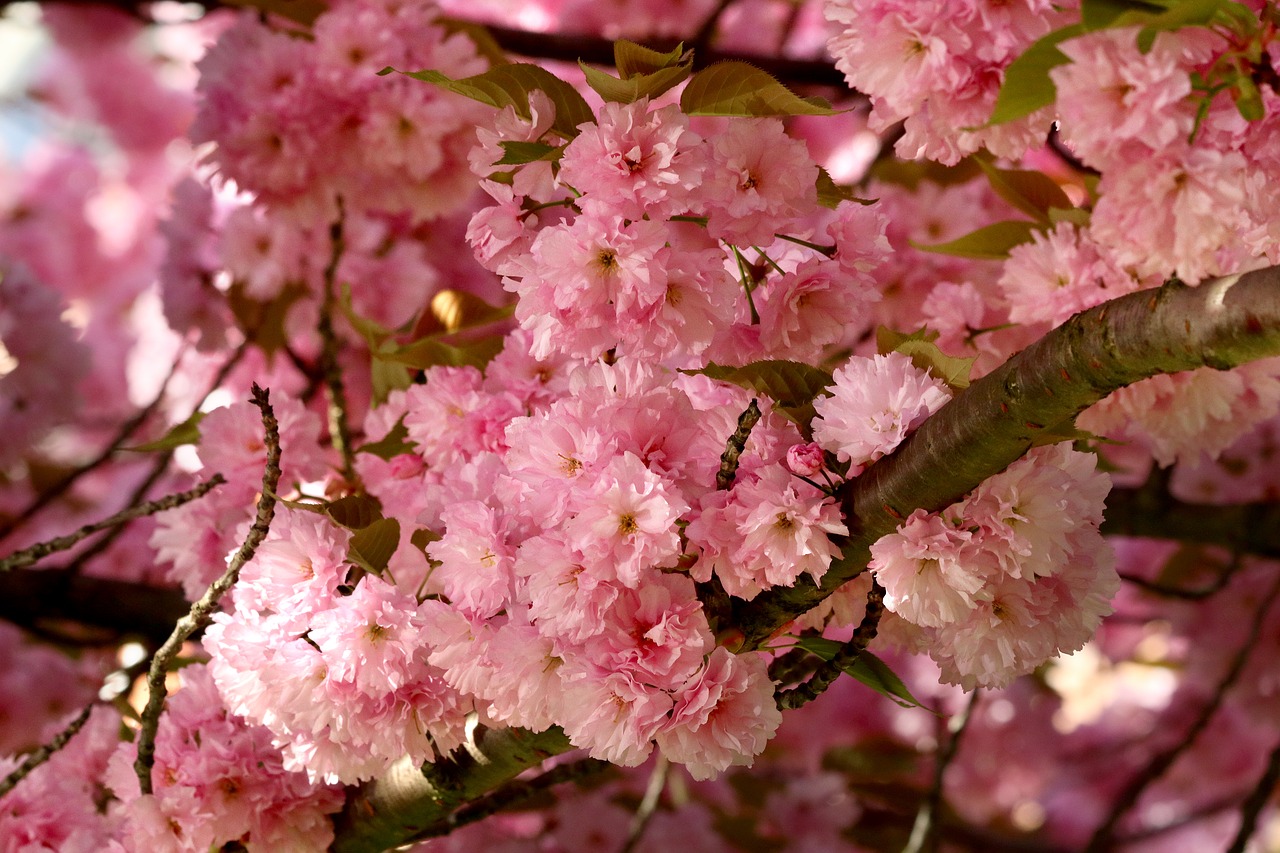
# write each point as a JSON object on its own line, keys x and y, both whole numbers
{"x": 339, "y": 425}
{"x": 1256, "y": 801}
{"x": 158, "y": 468}
{"x": 849, "y": 653}
{"x": 200, "y": 612}
{"x": 37, "y": 552}
{"x": 40, "y": 756}
{"x": 52, "y": 493}
{"x": 1162, "y": 761}
{"x": 924, "y": 834}
{"x": 648, "y": 804}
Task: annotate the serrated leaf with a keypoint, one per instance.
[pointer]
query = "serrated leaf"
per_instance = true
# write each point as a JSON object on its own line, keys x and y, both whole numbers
{"x": 431, "y": 352}
{"x": 394, "y": 443}
{"x": 317, "y": 507}
{"x": 422, "y": 537}
{"x": 517, "y": 153}
{"x": 632, "y": 89}
{"x": 1032, "y": 192}
{"x": 926, "y": 355}
{"x": 789, "y": 383}
{"x": 1185, "y": 13}
{"x": 355, "y": 512}
{"x": 633, "y": 60}
{"x": 510, "y": 85}
{"x": 1098, "y": 14}
{"x": 1066, "y": 431}
{"x": 952, "y": 370}
{"x": 830, "y": 194}
{"x": 909, "y": 173}
{"x": 372, "y": 547}
{"x": 1027, "y": 86}
{"x": 387, "y": 376}
{"x": 1077, "y": 216}
{"x": 187, "y": 432}
{"x": 888, "y": 340}
{"x": 992, "y": 242}
{"x": 867, "y": 668}
{"x": 735, "y": 88}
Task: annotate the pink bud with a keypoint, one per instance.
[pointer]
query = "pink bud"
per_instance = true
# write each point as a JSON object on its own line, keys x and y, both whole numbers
{"x": 805, "y": 459}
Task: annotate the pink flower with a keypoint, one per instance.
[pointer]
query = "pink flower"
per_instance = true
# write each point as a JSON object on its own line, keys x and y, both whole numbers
{"x": 805, "y": 459}
{"x": 634, "y": 161}
{"x": 626, "y": 521}
{"x": 723, "y": 716}
{"x": 758, "y": 181}
{"x": 875, "y": 403}
{"x": 765, "y": 532}
{"x": 931, "y": 573}
{"x": 475, "y": 559}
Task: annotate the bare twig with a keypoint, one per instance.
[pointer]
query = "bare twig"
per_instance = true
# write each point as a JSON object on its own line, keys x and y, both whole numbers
{"x": 201, "y": 611}
{"x": 35, "y": 553}
{"x": 1160, "y": 762}
{"x": 37, "y": 757}
{"x": 52, "y": 493}
{"x": 1257, "y": 799}
{"x": 339, "y": 425}
{"x": 924, "y": 834}
{"x": 648, "y": 804}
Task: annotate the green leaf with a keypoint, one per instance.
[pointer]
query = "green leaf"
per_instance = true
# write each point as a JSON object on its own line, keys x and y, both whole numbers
{"x": 1098, "y": 14}
{"x": 830, "y": 194}
{"x": 510, "y": 86}
{"x": 355, "y": 512}
{"x": 1187, "y": 13}
{"x": 632, "y": 89}
{"x": 394, "y": 443}
{"x": 1077, "y": 216}
{"x": 517, "y": 153}
{"x": 867, "y": 668}
{"x": 422, "y": 537}
{"x": 789, "y": 383}
{"x": 371, "y": 548}
{"x": 926, "y": 355}
{"x": 430, "y": 352}
{"x": 992, "y": 242}
{"x": 1027, "y": 86}
{"x": 735, "y": 88}
{"x": 263, "y": 322}
{"x": 909, "y": 173}
{"x": 1249, "y": 99}
{"x": 187, "y": 432}
{"x": 1032, "y": 192}
{"x": 634, "y": 60}
{"x": 387, "y": 376}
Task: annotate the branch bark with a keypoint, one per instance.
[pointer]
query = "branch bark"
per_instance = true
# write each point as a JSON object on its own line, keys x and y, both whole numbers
{"x": 1221, "y": 324}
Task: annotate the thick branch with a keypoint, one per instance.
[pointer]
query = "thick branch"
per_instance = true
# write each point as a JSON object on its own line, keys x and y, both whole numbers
{"x": 407, "y": 799}
{"x": 1222, "y": 323}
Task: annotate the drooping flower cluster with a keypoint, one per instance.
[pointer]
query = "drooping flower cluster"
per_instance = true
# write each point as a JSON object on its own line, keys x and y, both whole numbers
{"x": 1009, "y": 577}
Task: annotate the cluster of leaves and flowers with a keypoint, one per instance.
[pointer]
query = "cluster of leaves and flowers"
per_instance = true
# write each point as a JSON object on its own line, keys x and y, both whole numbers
{"x": 587, "y": 388}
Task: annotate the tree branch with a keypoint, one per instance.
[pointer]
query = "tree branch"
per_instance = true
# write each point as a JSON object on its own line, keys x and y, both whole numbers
{"x": 1221, "y": 323}
{"x": 407, "y": 799}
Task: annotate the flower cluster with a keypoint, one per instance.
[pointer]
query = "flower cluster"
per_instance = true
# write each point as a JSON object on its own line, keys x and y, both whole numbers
{"x": 1009, "y": 577}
